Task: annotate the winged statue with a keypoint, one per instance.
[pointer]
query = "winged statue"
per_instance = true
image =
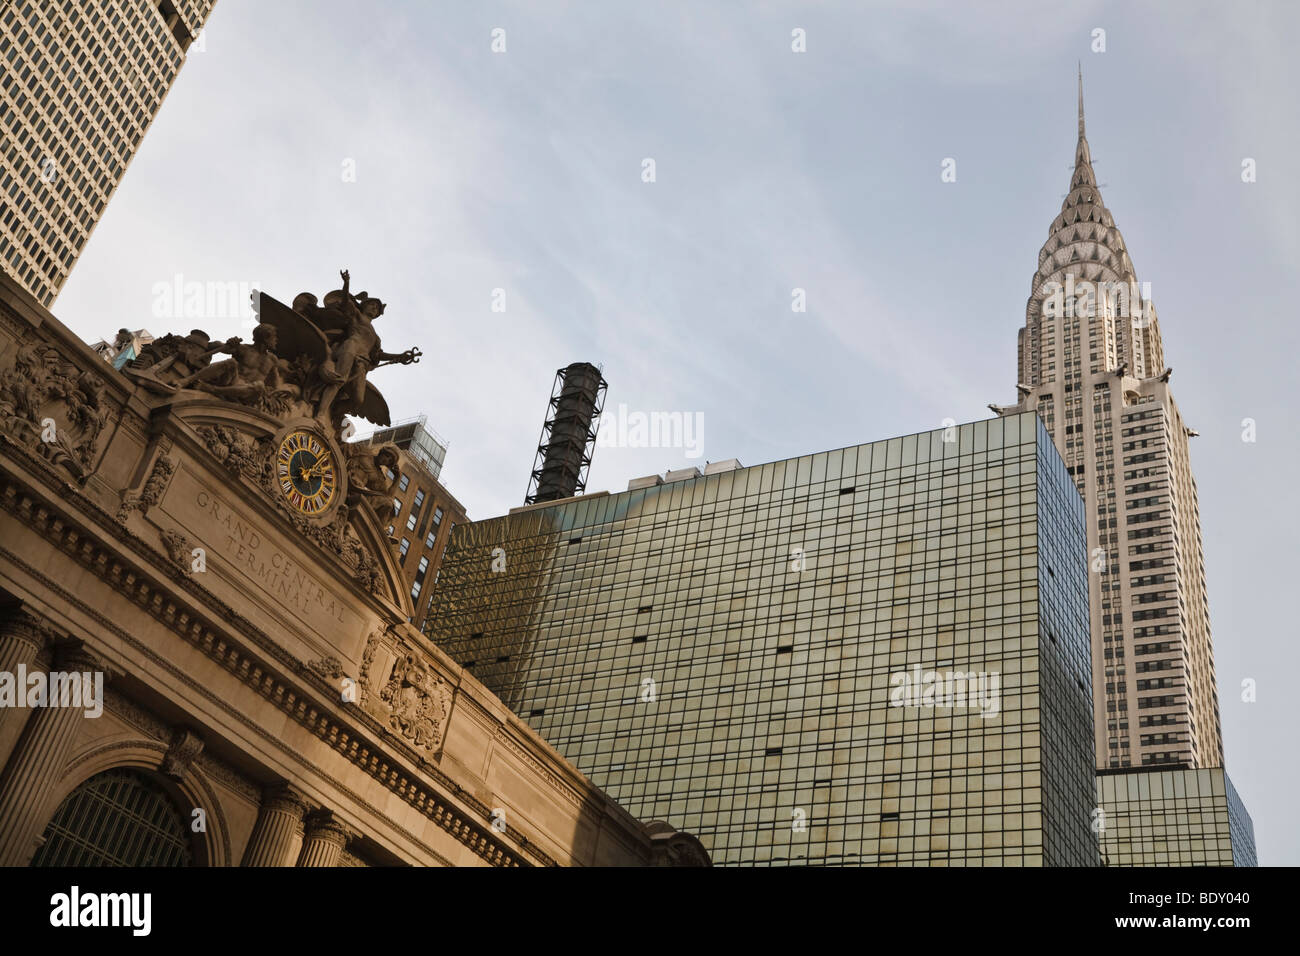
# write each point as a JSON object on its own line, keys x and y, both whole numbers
{"x": 330, "y": 348}
{"x": 309, "y": 359}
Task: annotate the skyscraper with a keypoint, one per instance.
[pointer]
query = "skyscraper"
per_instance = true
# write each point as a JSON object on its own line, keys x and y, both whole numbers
{"x": 80, "y": 82}
{"x": 1091, "y": 363}
{"x": 733, "y": 651}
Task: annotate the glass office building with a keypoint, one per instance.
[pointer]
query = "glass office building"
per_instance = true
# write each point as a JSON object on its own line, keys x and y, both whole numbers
{"x": 877, "y": 655}
{"x": 1185, "y": 817}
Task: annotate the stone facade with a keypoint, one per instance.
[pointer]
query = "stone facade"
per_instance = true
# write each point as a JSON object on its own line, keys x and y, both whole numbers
{"x": 258, "y": 664}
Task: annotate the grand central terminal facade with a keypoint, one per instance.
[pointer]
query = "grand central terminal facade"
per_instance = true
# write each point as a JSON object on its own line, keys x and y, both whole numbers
{"x": 206, "y": 655}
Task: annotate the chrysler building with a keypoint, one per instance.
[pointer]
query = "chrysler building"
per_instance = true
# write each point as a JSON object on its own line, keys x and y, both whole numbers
{"x": 1091, "y": 363}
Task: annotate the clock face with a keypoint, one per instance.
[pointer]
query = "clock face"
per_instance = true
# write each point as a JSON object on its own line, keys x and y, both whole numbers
{"x": 305, "y": 468}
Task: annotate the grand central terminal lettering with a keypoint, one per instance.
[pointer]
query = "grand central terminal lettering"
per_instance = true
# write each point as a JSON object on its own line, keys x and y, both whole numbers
{"x": 270, "y": 568}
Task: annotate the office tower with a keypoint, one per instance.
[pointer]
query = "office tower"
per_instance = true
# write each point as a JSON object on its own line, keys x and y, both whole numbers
{"x": 424, "y": 512}
{"x": 746, "y": 652}
{"x": 1173, "y": 817}
{"x": 80, "y": 82}
{"x": 1092, "y": 365}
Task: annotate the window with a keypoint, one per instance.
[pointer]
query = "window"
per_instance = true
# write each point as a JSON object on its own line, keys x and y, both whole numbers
{"x": 433, "y": 529}
{"x": 404, "y": 483}
{"x": 416, "y": 505}
{"x": 419, "y": 578}
{"x": 121, "y": 817}
{"x": 397, "y": 506}
{"x": 404, "y": 547}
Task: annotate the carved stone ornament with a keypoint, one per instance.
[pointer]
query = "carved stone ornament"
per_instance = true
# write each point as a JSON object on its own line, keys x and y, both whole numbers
{"x": 252, "y": 376}
{"x": 672, "y": 847}
{"x": 368, "y": 482}
{"x": 327, "y": 667}
{"x": 367, "y": 660}
{"x": 173, "y": 357}
{"x": 157, "y": 483}
{"x": 49, "y": 407}
{"x": 240, "y": 453}
{"x": 178, "y": 549}
{"x": 20, "y": 625}
{"x": 152, "y": 491}
{"x": 419, "y": 702}
{"x": 185, "y": 747}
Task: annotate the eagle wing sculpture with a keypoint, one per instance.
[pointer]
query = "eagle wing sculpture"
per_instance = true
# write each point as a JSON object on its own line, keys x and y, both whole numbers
{"x": 373, "y": 408}
{"x": 298, "y": 335}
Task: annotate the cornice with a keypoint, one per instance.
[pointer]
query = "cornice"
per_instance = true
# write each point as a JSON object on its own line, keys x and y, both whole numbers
{"x": 143, "y": 587}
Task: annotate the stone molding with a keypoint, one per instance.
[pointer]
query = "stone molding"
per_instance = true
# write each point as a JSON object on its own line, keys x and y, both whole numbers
{"x": 137, "y": 583}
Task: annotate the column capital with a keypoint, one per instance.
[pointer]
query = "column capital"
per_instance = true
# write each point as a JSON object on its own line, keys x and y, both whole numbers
{"x": 22, "y": 624}
{"x": 277, "y": 826}
{"x": 324, "y": 826}
{"x": 284, "y": 798}
{"x": 72, "y": 655}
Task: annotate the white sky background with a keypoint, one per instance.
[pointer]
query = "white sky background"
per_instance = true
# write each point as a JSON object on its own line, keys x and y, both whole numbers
{"x": 819, "y": 170}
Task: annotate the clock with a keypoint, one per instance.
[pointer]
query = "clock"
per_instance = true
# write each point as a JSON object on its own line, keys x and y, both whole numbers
{"x": 306, "y": 472}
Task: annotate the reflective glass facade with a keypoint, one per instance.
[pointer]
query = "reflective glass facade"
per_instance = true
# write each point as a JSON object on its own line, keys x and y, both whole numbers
{"x": 871, "y": 656}
{"x": 1174, "y": 818}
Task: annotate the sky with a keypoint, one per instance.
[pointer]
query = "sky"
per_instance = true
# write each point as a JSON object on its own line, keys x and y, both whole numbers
{"x": 303, "y": 137}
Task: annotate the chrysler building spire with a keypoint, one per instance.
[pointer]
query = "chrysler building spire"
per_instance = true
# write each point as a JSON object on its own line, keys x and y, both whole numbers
{"x": 1091, "y": 364}
{"x": 1081, "y": 99}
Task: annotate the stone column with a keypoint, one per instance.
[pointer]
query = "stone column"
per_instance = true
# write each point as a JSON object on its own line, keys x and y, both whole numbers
{"x": 37, "y": 763}
{"x": 22, "y": 635}
{"x": 323, "y": 840}
{"x": 277, "y": 827}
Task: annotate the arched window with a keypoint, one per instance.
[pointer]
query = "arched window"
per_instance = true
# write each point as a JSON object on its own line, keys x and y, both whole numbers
{"x": 121, "y": 817}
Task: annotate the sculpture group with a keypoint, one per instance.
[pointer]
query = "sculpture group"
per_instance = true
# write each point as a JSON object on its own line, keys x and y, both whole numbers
{"x": 312, "y": 359}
